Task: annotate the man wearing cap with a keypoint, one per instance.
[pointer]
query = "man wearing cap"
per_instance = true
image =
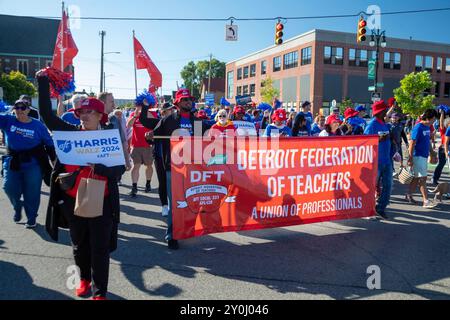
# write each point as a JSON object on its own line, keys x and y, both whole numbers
{"x": 243, "y": 123}
{"x": 278, "y": 128}
{"x": 378, "y": 126}
{"x": 351, "y": 124}
{"x": 362, "y": 112}
{"x": 332, "y": 125}
{"x": 70, "y": 116}
{"x": 419, "y": 151}
{"x": 184, "y": 123}
{"x": 33, "y": 112}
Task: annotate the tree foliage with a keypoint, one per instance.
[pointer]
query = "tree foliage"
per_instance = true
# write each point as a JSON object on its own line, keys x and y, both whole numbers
{"x": 14, "y": 85}
{"x": 411, "y": 95}
{"x": 268, "y": 92}
{"x": 194, "y": 73}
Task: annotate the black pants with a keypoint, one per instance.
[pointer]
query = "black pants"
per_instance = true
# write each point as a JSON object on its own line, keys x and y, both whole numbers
{"x": 441, "y": 164}
{"x": 162, "y": 190}
{"x": 91, "y": 243}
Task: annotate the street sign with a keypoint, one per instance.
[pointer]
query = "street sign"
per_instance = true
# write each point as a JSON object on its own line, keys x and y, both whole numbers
{"x": 372, "y": 88}
{"x": 380, "y": 85}
{"x": 376, "y": 96}
{"x": 333, "y": 103}
{"x": 231, "y": 32}
{"x": 372, "y": 69}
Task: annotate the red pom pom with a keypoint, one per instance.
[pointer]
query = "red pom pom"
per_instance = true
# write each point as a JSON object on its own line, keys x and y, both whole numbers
{"x": 60, "y": 82}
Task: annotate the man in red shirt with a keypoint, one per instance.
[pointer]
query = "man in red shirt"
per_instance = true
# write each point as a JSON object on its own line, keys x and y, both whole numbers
{"x": 141, "y": 152}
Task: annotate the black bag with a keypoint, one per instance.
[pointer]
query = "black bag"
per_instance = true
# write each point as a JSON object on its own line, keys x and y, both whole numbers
{"x": 67, "y": 180}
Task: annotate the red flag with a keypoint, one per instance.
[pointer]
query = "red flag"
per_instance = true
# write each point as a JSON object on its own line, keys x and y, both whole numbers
{"x": 143, "y": 61}
{"x": 64, "y": 45}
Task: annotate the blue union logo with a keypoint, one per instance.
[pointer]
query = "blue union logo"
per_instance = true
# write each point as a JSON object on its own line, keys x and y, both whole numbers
{"x": 64, "y": 145}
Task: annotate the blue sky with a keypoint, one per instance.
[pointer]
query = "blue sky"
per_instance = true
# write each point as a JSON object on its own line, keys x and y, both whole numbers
{"x": 172, "y": 44}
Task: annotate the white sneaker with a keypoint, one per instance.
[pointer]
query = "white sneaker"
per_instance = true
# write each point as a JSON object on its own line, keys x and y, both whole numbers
{"x": 165, "y": 211}
{"x": 429, "y": 204}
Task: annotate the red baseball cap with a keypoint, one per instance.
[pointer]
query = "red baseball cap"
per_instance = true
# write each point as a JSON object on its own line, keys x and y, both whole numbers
{"x": 93, "y": 104}
{"x": 279, "y": 115}
{"x": 333, "y": 118}
{"x": 379, "y": 107}
{"x": 238, "y": 109}
{"x": 202, "y": 115}
{"x": 350, "y": 113}
{"x": 181, "y": 94}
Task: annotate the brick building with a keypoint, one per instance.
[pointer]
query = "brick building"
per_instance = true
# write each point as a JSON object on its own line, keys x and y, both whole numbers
{"x": 321, "y": 66}
{"x": 26, "y": 44}
{"x": 217, "y": 87}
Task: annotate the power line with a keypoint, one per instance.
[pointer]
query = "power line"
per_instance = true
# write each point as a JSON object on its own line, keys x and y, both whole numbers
{"x": 252, "y": 19}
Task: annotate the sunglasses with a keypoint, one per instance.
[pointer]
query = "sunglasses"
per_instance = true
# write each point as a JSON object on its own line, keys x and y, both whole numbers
{"x": 222, "y": 116}
{"x": 186, "y": 100}
{"x": 23, "y": 108}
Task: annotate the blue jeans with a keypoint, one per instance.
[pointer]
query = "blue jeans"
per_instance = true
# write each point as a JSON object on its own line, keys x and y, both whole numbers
{"x": 385, "y": 175}
{"x": 27, "y": 182}
{"x": 169, "y": 231}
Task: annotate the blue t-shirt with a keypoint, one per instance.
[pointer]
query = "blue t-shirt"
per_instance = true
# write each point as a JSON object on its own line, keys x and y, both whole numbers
{"x": 187, "y": 126}
{"x": 274, "y": 131}
{"x": 309, "y": 118}
{"x": 24, "y": 136}
{"x": 421, "y": 135}
{"x": 384, "y": 148}
{"x": 70, "y": 118}
{"x": 315, "y": 129}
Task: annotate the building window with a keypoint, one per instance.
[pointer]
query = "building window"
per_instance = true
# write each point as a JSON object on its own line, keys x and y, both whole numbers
{"x": 333, "y": 55}
{"x": 263, "y": 67}
{"x": 239, "y": 73}
{"x": 419, "y": 63}
{"x": 230, "y": 84}
{"x": 252, "y": 90}
{"x": 306, "y": 56}
{"x": 276, "y": 64}
{"x": 439, "y": 65}
{"x": 245, "y": 72}
{"x": 245, "y": 90}
{"x": 357, "y": 58}
{"x": 447, "y": 65}
{"x": 447, "y": 90}
{"x": 429, "y": 63}
{"x": 239, "y": 91}
{"x": 437, "y": 89}
{"x": 290, "y": 60}
{"x": 253, "y": 70}
{"x": 392, "y": 60}
{"x": 22, "y": 66}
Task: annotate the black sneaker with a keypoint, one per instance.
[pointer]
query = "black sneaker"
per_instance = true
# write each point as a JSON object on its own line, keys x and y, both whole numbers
{"x": 17, "y": 217}
{"x": 173, "y": 244}
{"x": 133, "y": 192}
{"x": 148, "y": 189}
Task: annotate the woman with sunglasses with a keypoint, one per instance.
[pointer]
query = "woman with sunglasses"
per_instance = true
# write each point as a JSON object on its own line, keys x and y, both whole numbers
{"x": 224, "y": 127}
{"x": 93, "y": 239}
{"x": 29, "y": 148}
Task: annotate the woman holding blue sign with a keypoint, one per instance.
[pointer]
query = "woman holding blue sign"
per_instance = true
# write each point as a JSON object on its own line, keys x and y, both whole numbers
{"x": 29, "y": 147}
{"x": 93, "y": 238}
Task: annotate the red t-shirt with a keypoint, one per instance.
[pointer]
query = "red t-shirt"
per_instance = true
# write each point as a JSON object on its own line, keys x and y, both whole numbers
{"x": 139, "y": 131}
{"x": 84, "y": 173}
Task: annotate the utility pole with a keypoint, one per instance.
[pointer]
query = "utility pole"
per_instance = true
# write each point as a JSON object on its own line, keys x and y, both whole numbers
{"x": 102, "y": 34}
{"x": 209, "y": 73}
{"x": 135, "y": 72}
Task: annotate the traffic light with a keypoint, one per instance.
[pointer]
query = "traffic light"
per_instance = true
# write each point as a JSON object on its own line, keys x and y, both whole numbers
{"x": 279, "y": 33}
{"x": 361, "y": 36}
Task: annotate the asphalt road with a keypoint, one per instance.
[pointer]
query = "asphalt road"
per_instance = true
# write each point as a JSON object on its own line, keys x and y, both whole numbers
{"x": 320, "y": 261}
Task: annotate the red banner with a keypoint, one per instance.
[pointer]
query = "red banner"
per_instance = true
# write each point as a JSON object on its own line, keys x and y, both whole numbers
{"x": 65, "y": 46}
{"x": 247, "y": 184}
{"x": 143, "y": 61}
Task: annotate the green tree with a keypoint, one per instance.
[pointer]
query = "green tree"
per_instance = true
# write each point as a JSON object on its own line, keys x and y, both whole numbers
{"x": 268, "y": 92}
{"x": 14, "y": 85}
{"x": 411, "y": 96}
{"x": 194, "y": 73}
{"x": 346, "y": 103}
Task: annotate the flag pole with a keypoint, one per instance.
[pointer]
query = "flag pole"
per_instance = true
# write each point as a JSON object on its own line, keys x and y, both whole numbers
{"x": 135, "y": 72}
{"x": 62, "y": 37}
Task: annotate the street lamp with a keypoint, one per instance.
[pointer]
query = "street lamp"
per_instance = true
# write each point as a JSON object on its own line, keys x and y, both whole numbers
{"x": 378, "y": 39}
{"x": 102, "y": 69}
